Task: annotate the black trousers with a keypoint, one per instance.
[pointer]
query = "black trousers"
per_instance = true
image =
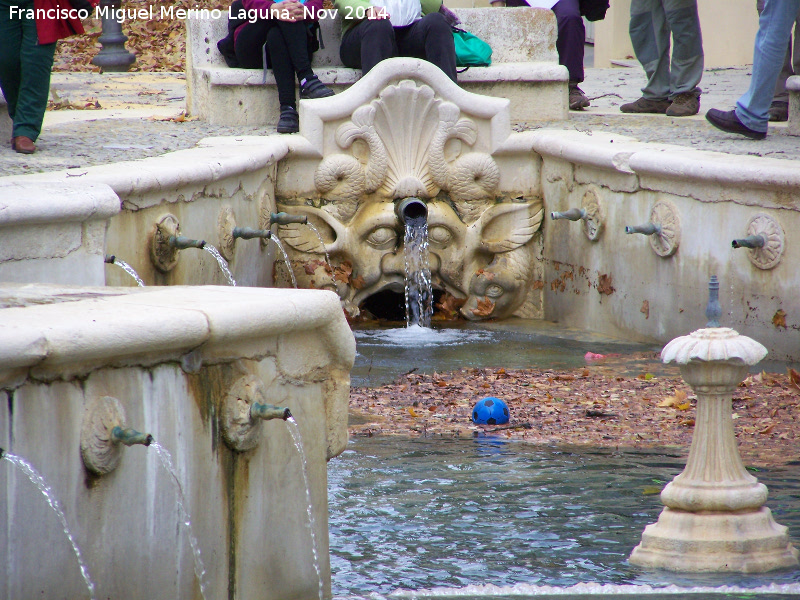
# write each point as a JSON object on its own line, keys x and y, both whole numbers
{"x": 287, "y": 52}
{"x": 371, "y": 41}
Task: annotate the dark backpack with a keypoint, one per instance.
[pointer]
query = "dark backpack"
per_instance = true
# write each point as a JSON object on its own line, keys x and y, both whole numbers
{"x": 594, "y": 10}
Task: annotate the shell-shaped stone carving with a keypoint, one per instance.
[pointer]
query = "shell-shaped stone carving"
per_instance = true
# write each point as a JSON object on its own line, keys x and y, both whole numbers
{"x": 713, "y": 344}
{"x": 99, "y": 452}
{"x": 406, "y": 120}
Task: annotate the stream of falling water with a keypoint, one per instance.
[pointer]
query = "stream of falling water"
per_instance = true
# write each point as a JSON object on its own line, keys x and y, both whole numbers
{"x": 419, "y": 292}
{"x": 321, "y": 243}
{"x": 295, "y": 431}
{"x": 129, "y": 270}
{"x": 199, "y": 569}
{"x": 285, "y": 259}
{"x": 39, "y": 482}
{"x": 223, "y": 264}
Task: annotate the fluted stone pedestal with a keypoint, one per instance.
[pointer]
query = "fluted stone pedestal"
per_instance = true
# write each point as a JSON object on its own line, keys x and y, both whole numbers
{"x": 714, "y": 518}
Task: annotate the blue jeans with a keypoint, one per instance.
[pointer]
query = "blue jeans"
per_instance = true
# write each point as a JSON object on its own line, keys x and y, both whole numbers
{"x": 774, "y": 30}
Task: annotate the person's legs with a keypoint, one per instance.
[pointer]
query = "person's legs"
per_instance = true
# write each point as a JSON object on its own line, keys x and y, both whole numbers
{"x": 571, "y": 37}
{"x": 281, "y": 60}
{"x": 295, "y": 41}
{"x": 250, "y": 41}
{"x": 570, "y": 41}
{"x": 430, "y": 38}
{"x": 772, "y": 39}
{"x": 10, "y": 69}
{"x": 650, "y": 37}
{"x": 25, "y": 74}
{"x": 686, "y": 68}
{"x": 368, "y": 43}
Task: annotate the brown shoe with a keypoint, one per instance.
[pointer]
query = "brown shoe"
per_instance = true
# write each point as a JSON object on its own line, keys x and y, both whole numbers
{"x": 577, "y": 99}
{"x": 23, "y": 145}
{"x": 684, "y": 105}
{"x": 645, "y": 105}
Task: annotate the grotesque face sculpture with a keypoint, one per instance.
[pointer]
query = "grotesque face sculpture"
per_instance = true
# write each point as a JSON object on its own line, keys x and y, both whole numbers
{"x": 477, "y": 242}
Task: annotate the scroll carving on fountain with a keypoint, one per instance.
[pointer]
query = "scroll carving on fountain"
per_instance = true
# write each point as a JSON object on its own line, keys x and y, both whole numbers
{"x": 408, "y": 140}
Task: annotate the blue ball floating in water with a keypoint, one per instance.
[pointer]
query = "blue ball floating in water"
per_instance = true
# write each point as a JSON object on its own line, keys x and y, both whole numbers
{"x": 490, "y": 411}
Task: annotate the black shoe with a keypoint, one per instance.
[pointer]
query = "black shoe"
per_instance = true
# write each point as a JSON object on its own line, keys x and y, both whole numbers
{"x": 289, "y": 121}
{"x": 314, "y": 88}
{"x": 728, "y": 121}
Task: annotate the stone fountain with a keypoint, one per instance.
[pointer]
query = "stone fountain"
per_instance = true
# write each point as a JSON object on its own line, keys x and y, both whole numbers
{"x": 196, "y": 367}
{"x": 715, "y": 518}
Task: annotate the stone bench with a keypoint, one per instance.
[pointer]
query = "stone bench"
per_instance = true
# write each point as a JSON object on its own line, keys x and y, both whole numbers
{"x": 793, "y": 87}
{"x": 524, "y": 69}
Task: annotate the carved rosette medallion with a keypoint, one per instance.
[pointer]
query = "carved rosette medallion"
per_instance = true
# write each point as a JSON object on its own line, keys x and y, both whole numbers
{"x": 666, "y": 242}
{"x": 225, "y": 226}
{"x": 593, "y": 221}
{"x": 770, "y": 254}
{"x": 100, "y": 453}
{"x": 164, "y": 256}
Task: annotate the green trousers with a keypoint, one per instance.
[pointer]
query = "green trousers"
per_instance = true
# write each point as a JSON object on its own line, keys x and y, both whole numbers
{"x": 25, "y": 67}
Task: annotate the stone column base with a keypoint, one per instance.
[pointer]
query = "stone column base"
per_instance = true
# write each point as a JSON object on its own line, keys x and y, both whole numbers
{"x": 744, "y": 542}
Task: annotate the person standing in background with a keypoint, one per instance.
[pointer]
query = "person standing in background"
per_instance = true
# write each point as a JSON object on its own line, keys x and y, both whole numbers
{"x": 569, "y": 43}
{"x": 779, "y": 110}
{"x": 27, "y": 49}
{"x": 671, "y": 79}
{"x": 750, "y": 118}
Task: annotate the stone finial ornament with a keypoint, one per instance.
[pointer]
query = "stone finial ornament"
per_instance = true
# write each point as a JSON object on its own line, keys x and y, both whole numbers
{"x": 715, "y": 518}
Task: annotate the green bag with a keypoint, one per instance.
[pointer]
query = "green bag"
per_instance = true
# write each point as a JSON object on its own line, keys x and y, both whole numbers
{"x": 471, "y": 51}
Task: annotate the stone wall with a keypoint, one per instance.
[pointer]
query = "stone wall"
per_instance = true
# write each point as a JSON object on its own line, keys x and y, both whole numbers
{"x": 171, "y": 358}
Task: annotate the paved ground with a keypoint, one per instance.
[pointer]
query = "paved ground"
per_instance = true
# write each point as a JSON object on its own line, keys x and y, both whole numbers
{"x": 136, "y": 115}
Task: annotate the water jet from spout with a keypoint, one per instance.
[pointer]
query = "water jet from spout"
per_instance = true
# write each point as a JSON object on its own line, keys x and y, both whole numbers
{"x": 113, "y": 260}
{"x": 413, "y": 213}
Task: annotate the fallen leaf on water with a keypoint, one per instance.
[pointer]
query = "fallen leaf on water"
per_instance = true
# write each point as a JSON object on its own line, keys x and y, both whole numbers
{"x": 767, "y": 429}
{"x": 684, "y": 406}
{"x": 412, "y": 412}
{"x": 688, "y": 423}
{"x": 779, "y": 318}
